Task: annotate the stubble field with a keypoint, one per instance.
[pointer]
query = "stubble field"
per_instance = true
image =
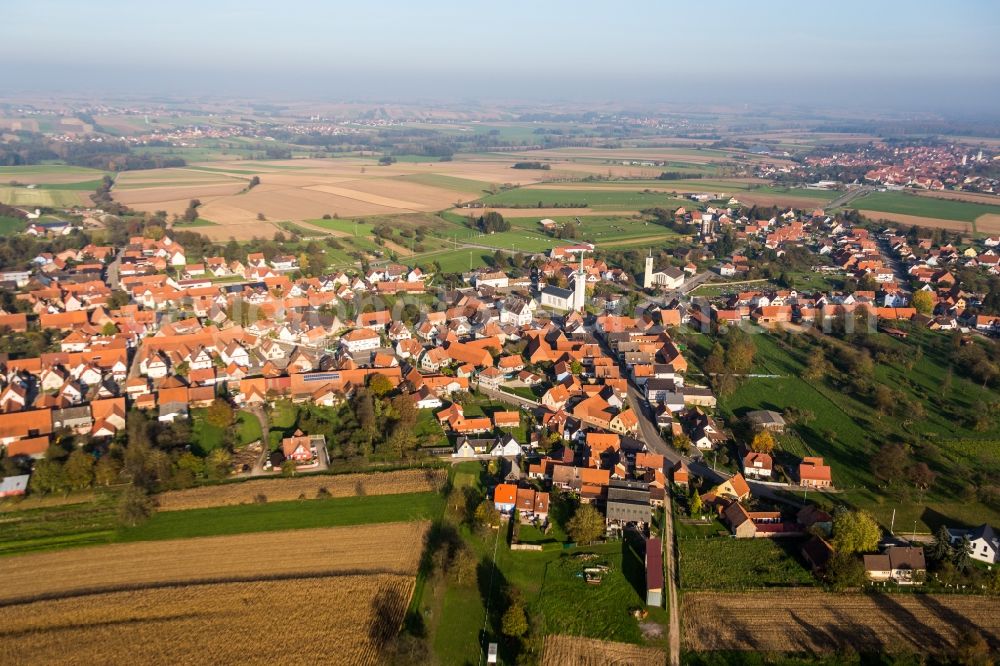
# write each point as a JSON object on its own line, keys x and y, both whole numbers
{"x": 814, "y": 621}
{"x": 562, "y": 650}
{"x": 370, "y": 549}
{"x": 309, "y": 487}
{"x": 344, "y": 619}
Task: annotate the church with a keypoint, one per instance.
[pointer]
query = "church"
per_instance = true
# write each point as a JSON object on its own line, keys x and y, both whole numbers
{"x": 668, "y": 278}
{"x": 567, "y": 299}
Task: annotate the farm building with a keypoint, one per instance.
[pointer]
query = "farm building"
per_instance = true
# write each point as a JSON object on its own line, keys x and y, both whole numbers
{"x": 654, "y": 572}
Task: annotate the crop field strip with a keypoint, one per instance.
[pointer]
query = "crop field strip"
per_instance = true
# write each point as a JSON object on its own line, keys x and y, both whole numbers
{"x": 276, "y": 490}
{"x": 814, "y": 621}
{"x": 236, "y": 558}
{"x": 563, "y": 650}
{"x": 340, "y": 619}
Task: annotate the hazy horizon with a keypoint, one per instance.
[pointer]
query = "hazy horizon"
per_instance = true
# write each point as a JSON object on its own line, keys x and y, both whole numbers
{"x": 903, "y": 57}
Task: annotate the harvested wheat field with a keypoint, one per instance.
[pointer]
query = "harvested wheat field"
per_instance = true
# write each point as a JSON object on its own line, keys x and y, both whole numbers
{"x": 309, "y": 487}
{"x": 815, "y": 621}
{"x": 576, "y": 651}
{"x": 918, "y": 221}
{"x": 242, "y": 557}
{"x": 988, "y": 224}
{"x": 336, "y": 620}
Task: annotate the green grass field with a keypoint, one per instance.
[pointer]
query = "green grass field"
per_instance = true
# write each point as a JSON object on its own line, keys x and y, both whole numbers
{"x": 42, "y": 197}
{"x": 286, "y": 516}
{"x": 911, "y": 204}
{"x": 460, "y": 185}
{"x": 599, "y": 229}
{"x": 36, "y": 172}
{"x": 724, "y": 563}
{"x": 11, "y": 225}
{"x": 199, "y": 222}
{"x": 596, "y": 198}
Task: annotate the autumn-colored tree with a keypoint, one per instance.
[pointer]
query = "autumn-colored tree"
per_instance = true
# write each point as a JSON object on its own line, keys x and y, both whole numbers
{"x": 763, "y": 442}
{"x": 487, "y": 514}
{"x": 379, "y": 385}
{"x": 219, "y": 414}
{"x": 923, "y": 301}
{"x": 586, "y": 525}
{"x": 515, "y": 621}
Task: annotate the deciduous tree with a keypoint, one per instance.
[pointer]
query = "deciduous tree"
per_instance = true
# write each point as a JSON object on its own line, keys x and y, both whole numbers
{"x": 763, "y": 442}
{"x": 855, "y": 532}
{"x": 586, "y": 525}
{"x": 79, "y": 470}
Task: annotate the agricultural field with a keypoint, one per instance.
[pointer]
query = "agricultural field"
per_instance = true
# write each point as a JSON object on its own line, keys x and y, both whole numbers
{"x": 817, "y": 622}
{"x": 595, "y": 199}
{"x": 560, "y": 650}
{"x": 291, "y": 553}
{"x": 601, "y": 229}
{"x": 350, "y": 619}
{"x": 928, "y": 211}
{"x": 342, "y": 485}
{"x": 276, "y": 516}
{"x": 51, "y": 185}
{"x": 95, "y": 521}
{"x": 724, "y": 563}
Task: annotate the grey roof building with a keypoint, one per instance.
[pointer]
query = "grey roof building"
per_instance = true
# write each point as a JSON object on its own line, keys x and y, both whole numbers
{"x": 628, "y": 502}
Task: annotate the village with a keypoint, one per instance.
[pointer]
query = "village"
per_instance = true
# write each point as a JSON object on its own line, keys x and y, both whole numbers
{"x": 523, "y": 373}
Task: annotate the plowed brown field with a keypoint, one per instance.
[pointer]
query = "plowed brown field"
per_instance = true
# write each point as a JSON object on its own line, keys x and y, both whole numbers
{"x": 807, "y": 621}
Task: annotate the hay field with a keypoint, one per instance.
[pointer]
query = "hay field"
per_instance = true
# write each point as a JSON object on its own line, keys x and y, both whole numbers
{"x": 577, "y": 651}
{"x": 278, "y": 490}
{"x": 385, "y": 548}
{"x": 344, "y": 619}
{"x": 814, "y": 621}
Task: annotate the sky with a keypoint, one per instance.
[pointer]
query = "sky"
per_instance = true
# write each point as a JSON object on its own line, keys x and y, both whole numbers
{"x": 896, "y": 56}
